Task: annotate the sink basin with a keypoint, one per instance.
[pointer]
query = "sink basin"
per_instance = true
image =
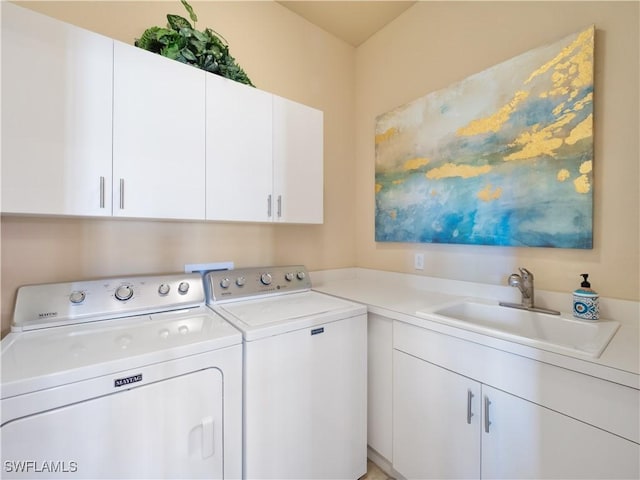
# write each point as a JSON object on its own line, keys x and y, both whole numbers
{"x": 542, "y": 330}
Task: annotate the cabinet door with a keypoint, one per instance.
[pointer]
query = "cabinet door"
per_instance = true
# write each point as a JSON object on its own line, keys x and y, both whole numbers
{"x": 298, "y": 162}
{"x": 525, "y": 440}
{"x": 158, "y": 136}
{"x": 436, "y": 421}
{"x": 239, "y": 156}
{"x": 380, "y": 385}
{"x": 56, "y": 116}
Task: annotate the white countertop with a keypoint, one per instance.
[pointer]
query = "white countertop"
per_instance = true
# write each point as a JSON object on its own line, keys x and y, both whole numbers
{"x": 399, "y": 296}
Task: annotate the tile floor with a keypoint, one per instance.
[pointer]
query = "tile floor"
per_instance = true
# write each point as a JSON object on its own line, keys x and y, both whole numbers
{"x": 374, "y": 473}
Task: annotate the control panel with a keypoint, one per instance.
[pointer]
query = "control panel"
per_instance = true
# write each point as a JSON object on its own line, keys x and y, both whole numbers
{"x": 39, "y": 306}
{"x": 248, "y": 282}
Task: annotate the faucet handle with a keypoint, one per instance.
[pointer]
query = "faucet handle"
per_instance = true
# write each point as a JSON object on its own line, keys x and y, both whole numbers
{"x": 525, "y": 273}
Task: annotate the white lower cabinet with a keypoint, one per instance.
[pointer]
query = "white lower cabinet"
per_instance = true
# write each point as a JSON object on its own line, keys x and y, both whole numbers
{"x": 380, "y": 385}
{"x": 436, "y": 421}
{"x": 523, "y": 440}
{"x": 446, "y": 425}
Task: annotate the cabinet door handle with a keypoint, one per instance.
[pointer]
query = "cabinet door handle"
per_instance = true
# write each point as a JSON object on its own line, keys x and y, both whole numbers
{"x": 101, "y": 192}
{"x": 269, "y": 206}
{"x": 487, "y": 423}
{"x": 122, "y": 194}
{"x": 469, "y": 412}
{"x": 279, "y": 206}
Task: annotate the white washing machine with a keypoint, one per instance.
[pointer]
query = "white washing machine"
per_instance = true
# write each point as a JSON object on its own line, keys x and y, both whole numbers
{"x": 121, "y": 378}
{"x": 305, "y": 373}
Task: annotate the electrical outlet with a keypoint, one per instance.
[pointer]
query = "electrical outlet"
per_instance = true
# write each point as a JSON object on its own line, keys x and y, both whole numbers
{"x": 418, "y": 261}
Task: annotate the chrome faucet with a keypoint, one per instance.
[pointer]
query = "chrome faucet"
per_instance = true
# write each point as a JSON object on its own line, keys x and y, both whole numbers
{"x": 524, "y": 282}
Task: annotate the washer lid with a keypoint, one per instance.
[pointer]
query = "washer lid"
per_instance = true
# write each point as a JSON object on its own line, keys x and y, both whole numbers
{"x": 283, "y": 313}
{"x": 55, "y": 356}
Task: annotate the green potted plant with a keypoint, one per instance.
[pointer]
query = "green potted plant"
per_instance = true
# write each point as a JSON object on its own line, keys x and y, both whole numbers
{"x": 180, "y": 41}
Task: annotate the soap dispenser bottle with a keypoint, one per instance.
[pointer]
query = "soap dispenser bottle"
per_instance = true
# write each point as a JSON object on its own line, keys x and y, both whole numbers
{"x": 585, "y": 301}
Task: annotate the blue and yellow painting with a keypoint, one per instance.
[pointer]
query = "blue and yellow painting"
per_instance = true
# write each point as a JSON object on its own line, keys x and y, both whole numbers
{"x": 503, "y": 157}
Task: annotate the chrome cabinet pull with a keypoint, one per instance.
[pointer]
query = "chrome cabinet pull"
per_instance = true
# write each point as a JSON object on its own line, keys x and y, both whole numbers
{"x": 279, "y": 206}
{"x": 101, "y": 192}
{"x": 269, "y": 206}
{"x": 486, "y": 414}
{"x": 122, "y": 194}
{"x": 469, "y": 412}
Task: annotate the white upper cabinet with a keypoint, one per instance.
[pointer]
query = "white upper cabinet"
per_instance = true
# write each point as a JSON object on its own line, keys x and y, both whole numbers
{"x": 56, "y": 116}
{"x": 298, "y": 162}
{"x": 239, "y": 156}
{"x": 96, "y": 127}
{"x": 158, "y": 136}
{"x": 264, "y": 156}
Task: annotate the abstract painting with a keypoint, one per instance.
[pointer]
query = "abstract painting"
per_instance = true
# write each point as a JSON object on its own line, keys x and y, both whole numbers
{"x": 503, "y": 157}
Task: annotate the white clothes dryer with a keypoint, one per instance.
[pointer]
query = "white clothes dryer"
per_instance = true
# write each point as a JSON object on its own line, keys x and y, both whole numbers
{"x": 121, "y": 378}
{"x": 305, "y": 373}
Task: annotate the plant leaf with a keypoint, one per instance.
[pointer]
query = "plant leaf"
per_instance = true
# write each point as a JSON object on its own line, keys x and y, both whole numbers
{"x": 186, "y": 32}
{"x": 177, "y": 22}
{"x": 216, "y": 37}
{"x": 180, "y": 41}
{"x": 192, "y": 14}
{"x": 198, "y": 47}
{"x": 171, "y": 51}
{"x": 200, "y": 36}
{"x": 149, "y": 40}
{"x": 188, "y": 54}
{"x": 215, "y": 51}
{"x": 166, "y": 36}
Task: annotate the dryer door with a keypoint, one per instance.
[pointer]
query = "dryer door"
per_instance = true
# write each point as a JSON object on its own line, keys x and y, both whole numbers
{"x": 168, "y": 429}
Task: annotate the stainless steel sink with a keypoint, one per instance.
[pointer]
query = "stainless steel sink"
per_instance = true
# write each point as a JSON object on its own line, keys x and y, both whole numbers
{"x": 559, "y": 332}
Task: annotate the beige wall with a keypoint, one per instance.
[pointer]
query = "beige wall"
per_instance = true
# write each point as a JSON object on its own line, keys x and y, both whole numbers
{"x": 435, "y": 44}
{"x": 283, "y": 54}
{"x": 429, "y": 47}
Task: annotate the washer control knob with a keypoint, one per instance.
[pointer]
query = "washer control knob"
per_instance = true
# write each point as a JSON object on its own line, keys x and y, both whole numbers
{"x": 124, "y": 292}
{"x": 288, "y": 276}
{"x": 77, "y": 296}
{"x": 240, "y": 281}
{"x": 265, "y": 278}
{"x": 301, "y": 275}
{"x": 164, "y": 288}
{"x": 225, "y": 282}
{"x": 183, "y": 287}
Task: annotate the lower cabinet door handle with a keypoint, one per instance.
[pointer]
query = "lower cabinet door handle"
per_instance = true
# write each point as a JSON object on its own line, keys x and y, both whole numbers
{"x": 469, "y": 412}
{"x": 487, "y": 422}
{"x": 122, "y": 194}
{"x": 101, "y": 192}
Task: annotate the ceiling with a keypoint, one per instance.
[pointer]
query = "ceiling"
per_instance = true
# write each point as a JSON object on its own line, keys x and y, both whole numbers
{"x": 352, "y": 21}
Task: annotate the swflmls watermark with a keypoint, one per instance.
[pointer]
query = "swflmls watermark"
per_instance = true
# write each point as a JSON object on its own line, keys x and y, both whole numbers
{"x": 39, "y": 466}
